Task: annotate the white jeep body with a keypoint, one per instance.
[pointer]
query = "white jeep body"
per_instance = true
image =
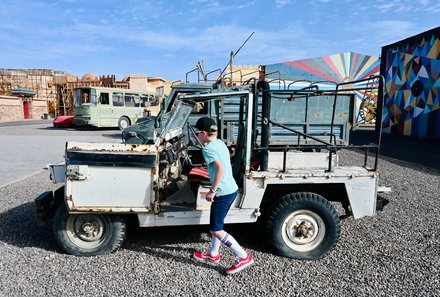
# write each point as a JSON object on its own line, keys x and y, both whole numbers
{"x": 291, "y": 190}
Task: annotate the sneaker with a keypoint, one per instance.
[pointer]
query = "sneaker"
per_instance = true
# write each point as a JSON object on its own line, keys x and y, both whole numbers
{"x": 240, "y": 264}
{"x": 206, "y": 257}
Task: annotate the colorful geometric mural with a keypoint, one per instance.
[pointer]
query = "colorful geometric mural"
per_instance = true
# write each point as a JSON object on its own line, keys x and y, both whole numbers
{"x": 412, "y": 86}
{"x": 336, "y": 68}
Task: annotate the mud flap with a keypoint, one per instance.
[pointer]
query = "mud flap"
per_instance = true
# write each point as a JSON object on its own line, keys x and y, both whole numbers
{"x": 46, "y": 204}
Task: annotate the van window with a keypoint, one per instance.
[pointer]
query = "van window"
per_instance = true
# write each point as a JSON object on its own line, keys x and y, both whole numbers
{"x": 129, "y": 100}
{"x": 145, "y": 101}
{"x": 104, "y": 99}
{"x": 85, "y": 96}
{"x": 118, "y": 99}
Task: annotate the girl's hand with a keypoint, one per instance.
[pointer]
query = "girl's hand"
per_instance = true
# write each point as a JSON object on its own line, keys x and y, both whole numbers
{"x": 210, "y": 197}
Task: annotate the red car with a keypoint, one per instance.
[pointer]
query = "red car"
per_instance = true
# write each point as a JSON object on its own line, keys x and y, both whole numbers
{"x": 63, "y": 121}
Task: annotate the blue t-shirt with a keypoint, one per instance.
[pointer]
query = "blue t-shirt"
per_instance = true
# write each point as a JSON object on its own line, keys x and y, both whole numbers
{"x": 217, "y": 150}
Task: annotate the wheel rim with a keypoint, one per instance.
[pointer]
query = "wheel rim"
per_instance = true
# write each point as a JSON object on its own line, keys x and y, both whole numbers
{"x": 124, "y": 123}
{"x": 303, "y": 230}
{"x": 86, "y": 231}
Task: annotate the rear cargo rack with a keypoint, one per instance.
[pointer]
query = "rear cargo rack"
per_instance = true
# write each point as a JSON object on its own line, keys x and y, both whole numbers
{"x": 308, "y": 141}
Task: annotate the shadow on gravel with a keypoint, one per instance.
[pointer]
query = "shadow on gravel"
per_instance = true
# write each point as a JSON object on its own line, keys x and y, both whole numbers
{"x": 164, "y": 241}
{"x": 113, "y": 136}
{"x": 20, "y": 228}
{"x": 164, "y": 254}
{"x": 422, "y": 152}
{"x": 248, "y": 235}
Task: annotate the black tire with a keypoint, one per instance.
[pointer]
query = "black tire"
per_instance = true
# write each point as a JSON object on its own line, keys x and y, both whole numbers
{"x": 303, "y": 226}
{"x": 89, "y": 234}
{"x": 123, "y": 123}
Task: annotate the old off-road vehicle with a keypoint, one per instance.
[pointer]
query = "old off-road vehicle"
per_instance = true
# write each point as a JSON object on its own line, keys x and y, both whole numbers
{"x": 291, "y": 181}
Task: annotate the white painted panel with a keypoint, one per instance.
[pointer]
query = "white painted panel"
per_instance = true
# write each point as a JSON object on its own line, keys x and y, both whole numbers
{"x": 361, "y": 186}
{"x": 362, "y": 193}
{"x": 197, "y": 217}
{"x": 57, "y": 173}
{"x": 203, "y": 204}
{"x": 300, "y": 160}
{"x": 112, "y": 187}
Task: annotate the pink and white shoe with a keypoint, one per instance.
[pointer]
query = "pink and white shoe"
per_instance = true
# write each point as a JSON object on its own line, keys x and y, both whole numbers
{"x": 206, "y": 257}
{"x": 240, "y": 264}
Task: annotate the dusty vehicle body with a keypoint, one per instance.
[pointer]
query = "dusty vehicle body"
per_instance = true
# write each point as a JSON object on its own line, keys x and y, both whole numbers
{"x": 290, "y": 188}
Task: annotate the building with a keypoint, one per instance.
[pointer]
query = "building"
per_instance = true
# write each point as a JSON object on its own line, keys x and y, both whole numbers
{"x": 21, "y": 102}
{"x": 20, "y": 106}
{"x": 52, "y": 90}
{"x": 240, "y": 74}
{"x": 411, "y": 68}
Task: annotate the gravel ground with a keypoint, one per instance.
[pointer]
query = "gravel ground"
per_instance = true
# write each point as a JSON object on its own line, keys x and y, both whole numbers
{"x": 396, "y": 253}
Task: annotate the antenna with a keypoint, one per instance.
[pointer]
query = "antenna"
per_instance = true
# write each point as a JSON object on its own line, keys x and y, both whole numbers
{"x": 202, "y": 70}
{"x": 232, "y": 55}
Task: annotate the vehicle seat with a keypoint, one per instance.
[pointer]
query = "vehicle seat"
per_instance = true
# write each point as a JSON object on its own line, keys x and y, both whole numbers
{"x": 255, "y": 160}
{"x": 198, "y": 176}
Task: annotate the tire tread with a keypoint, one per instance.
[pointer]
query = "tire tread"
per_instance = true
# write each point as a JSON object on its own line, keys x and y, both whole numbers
{"x": 302, "y": 198}
{"x": 116, "y": 240}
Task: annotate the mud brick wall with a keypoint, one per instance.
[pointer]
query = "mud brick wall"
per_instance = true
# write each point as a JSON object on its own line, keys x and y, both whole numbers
{"x": 11, "y": 108}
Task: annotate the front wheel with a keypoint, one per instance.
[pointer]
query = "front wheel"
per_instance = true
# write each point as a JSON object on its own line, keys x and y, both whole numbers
{"x": 303, "y": 226}
{"x": 88, "y": 234}
{"x": 123, "y": 123}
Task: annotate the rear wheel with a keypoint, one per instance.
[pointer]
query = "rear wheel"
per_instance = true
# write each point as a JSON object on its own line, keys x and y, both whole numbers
{"x": 123, "y": 123}
{"x": 88, "y": 234}
{"x": 303, "y": 226}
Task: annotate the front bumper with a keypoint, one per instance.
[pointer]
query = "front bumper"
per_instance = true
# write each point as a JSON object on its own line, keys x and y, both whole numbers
{"x": 80, "y": 122}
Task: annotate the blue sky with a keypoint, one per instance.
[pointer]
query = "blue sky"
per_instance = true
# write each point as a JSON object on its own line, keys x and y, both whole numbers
{"x": 168, "y": 38}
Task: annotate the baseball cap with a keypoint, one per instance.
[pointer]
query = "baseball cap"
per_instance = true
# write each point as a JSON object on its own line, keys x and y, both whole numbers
{"x": 206, "y": 124}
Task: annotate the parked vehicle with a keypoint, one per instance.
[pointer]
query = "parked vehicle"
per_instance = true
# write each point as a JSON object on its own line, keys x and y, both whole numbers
{"x": 110, "y": 107}
{"x": 291, "y": 188}
{"x": 63, "y": 121}
{"x": 143, "y": 131}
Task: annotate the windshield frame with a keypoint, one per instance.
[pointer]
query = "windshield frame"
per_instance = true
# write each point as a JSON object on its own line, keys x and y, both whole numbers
{"x": 84, "y": 97}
